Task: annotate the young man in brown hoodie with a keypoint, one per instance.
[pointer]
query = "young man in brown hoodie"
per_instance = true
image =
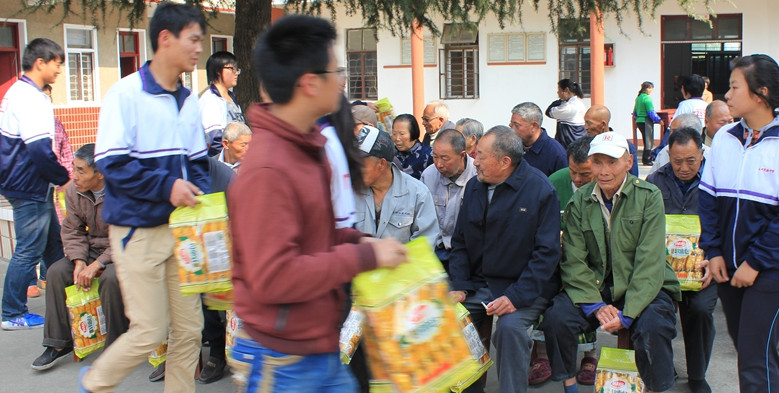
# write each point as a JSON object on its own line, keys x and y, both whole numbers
{"x": 289, "y": 260}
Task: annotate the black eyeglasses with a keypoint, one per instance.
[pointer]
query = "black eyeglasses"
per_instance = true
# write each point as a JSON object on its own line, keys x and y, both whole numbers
{"x": 341, "y": 71}
{"x": 234, "y": 69}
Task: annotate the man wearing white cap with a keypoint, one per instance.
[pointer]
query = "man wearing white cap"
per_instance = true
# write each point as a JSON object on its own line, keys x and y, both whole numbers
{"x": 613, "y": 269}
{"x": 394, "y": 204}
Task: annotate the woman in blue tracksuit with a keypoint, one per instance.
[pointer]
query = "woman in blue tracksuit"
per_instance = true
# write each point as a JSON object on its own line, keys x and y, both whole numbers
{"x": 739, "y": 212}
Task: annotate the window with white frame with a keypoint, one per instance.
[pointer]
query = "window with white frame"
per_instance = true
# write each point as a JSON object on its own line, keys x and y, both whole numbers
{"x": 574, "y": 44}
{"x": 459, "y": 63}
{"x": 81, "y": 52}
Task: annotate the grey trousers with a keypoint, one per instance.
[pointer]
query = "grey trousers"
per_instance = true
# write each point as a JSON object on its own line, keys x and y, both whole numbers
{"x": 56, "y": 329}
{"x": 511, "y": 339}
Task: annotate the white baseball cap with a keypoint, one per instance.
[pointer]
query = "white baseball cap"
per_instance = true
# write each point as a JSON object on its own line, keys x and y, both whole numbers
{"x": 609, "y": 143}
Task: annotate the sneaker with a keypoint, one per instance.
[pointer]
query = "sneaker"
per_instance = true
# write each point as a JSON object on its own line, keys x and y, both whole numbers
{"x": 212, "y": 371}
{"x": 81, "y": 374}
{"x": 49, "y": 356}
{"x": 158, "y": 374}
{"x": 28, "y": 321}
{"x": 33, "y": 291}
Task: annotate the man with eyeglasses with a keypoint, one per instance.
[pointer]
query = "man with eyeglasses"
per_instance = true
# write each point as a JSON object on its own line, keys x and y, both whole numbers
{"x": 435, "y": 118}
{"x": 678, "y": 181}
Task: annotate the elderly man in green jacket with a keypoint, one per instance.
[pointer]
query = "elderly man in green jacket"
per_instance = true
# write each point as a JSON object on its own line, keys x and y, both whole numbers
{"x": 613, "y": 269}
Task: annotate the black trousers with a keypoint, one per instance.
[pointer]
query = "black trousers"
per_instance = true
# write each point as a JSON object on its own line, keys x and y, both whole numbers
{"x": 214, "y": 332}
{"x": 752, "y": 316}
{"x": 652, "y": 333}
{"x": 696, "y": 316}
{"x": 648, "y": 134}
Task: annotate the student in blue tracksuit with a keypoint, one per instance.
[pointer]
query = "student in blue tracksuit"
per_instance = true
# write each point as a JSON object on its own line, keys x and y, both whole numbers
{"x": 739, "y": 211}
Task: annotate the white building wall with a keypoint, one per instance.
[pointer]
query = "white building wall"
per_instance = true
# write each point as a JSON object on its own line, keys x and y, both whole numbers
{"x": 637, "y": 57}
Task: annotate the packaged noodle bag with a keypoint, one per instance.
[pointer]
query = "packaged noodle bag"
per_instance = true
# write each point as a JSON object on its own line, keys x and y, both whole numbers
{"x": 478, "y": 351}
{"x": 351, "y": 333}
{"x": 386, "y": 114}
{"x": 682, "y": 252}
{"x": 412, "y": 334}
{"x": 617, "y": 372}
{"x": 232, "y": 325}
{"x": 221, "y": 301}
{"x": 87, "y": 322}
{"x": 203, "y": 245}
{"x": 159, "y": 354}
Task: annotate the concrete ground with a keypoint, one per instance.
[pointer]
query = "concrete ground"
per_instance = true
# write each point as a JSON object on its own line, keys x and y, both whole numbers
{"x": 20, "y": 348}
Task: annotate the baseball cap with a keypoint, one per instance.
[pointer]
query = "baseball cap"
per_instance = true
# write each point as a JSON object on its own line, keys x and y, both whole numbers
{"x": 373, "y": 142}
{"x": 609, "y": 143}
{"x": 363, "y": 114}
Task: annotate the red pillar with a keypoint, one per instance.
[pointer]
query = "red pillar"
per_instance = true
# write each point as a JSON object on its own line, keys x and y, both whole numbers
{"x": 596, "y": 60}
{"x": 418, "y": 72}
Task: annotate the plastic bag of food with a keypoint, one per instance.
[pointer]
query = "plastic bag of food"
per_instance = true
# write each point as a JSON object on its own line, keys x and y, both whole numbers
{"x": 87, "y": 322}
{"x": 414, "y": 332}
{"x": 351, "y": 333}
{"x": 478, "y": 351}
{"x": 386, "y": 114}
{"x": 203, "y": 245}
{"x": 682, "y": 252}
{"x": 617, "y": 372}
{"x": 221, "y": 301}
{"x": 159, "y": 354}
{"x": 232, "y": 325}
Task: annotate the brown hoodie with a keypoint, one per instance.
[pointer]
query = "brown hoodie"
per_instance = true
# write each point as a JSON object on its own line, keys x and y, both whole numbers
{"x": 289, "y": 260}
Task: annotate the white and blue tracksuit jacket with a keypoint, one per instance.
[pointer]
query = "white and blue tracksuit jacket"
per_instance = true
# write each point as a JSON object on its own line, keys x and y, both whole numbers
{"x": 739, "y": 205}
{"x": 146, "y": 139}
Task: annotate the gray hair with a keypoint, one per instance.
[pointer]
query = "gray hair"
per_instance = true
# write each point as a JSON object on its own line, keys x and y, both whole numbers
{"x": 579, "y": 149}
{"x": 506, "y": 143}
{"x": 471, "y": 127}
{"x": 87, "y": 153}
{"x": 235, "y": 130}
{"x": 454, "y": 138}
{"x": 529, "y": 112}
{"x": 687, "y": 120}
{"x": 440, "y": 109}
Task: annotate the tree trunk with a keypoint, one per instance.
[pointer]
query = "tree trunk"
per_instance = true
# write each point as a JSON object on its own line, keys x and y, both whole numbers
{"x": 252, "y": 17}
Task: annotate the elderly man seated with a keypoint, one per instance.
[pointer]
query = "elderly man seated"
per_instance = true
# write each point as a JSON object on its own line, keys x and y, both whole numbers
{"x": 394, "y": 204}
{"x": 446, "y": 179}
{"x": 614, "y": 270}
{"x": 88, "y": 255}
{"x": 235, "y": 142}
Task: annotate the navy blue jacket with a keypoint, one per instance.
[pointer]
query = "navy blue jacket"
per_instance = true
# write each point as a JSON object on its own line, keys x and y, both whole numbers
{"x": 674, "y": 200}
{"x": 546, "y": 155}
{"x": 515, "y": 249}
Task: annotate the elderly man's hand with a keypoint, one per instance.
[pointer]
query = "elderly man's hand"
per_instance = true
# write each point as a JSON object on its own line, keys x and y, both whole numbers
{"x": 612, "y": 326}
{"x": 457, "y": 296}
{"x": 85, "y": 275}
{"x": 606, "y": 314}
{"x": 500, "y": 306}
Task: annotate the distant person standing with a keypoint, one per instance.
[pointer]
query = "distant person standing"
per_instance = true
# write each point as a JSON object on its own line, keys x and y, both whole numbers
{"x": 645, "y": 116}
{"x": 152, "y": 162}
{"x": 692, "y": 89}
{"x": 569, "y": 112}
{"x": 217, "y": 104}
{"x": 740, "y": 220}
{"x": 28, "y": 168}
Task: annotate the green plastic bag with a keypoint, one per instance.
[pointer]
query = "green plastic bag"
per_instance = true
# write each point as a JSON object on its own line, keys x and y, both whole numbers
{"x": 203, "y": 245}
{"x": 617, "y": 372}
{"x": 682, "y": 252}
{"x": 478, "y": 351}
{"x": 87, "y": 322}
{"x": 412, "y": 336}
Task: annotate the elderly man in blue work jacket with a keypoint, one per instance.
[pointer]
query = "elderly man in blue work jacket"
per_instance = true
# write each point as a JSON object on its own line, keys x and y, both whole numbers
{"x": 505, "y": 249}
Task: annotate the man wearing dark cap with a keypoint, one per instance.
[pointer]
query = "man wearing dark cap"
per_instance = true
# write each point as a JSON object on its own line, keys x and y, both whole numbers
{"x": 394, "y": 204}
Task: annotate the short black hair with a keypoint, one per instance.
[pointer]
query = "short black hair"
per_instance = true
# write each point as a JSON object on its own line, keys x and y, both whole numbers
{"x": 41, "y": 48}
{"x": 87, "y": 153}
{"x": 684, "y": 135}
{"x": 216, "y": 63}
{"x": 173, "y": 17}
{"x": 413, "y": 125}
{"x": 292, "y": 46}
{"x": 454, "y": 138}
{"x": 579, "y": 150}
{"x": 693, "y": 85}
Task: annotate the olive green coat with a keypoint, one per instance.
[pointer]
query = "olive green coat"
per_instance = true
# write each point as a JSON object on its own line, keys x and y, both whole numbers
{"x": 638, "y": 259}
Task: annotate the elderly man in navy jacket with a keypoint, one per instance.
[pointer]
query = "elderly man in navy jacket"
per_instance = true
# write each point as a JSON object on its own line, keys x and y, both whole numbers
{"x": 505, "y": 249}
